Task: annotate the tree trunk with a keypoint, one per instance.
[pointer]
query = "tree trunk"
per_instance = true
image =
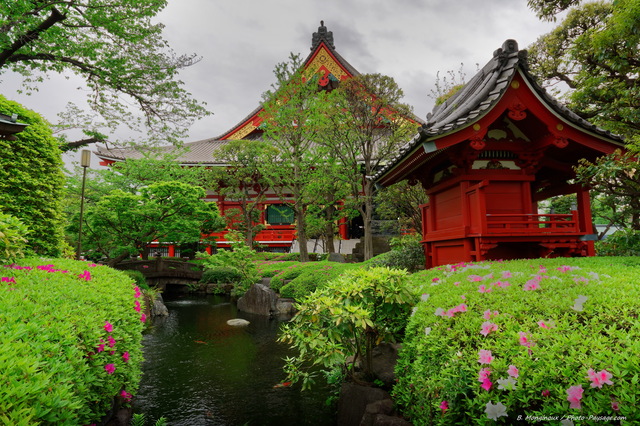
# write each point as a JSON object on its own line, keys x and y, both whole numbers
{"x": 367, "y": 216}
{"x": 329, "y": 233}
{"x": 302, "y": 236}
{"x": 113, "y": 262}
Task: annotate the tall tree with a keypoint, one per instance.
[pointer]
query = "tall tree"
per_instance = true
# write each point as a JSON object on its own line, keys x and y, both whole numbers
{"x": 367, "y": 126}
{"x": 292, "y": 117}
{"x": 595, "y": 51}
{"x": 242, "y": 181}
{"x": 116, "y": 47}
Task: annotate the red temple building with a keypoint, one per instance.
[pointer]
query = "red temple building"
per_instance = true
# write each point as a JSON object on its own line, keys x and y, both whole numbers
{"x": 488, "y": 156}
{"x": 279, "y": 232}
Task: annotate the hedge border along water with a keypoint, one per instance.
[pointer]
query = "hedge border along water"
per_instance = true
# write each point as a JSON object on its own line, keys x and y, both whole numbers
{"x": 70, "y": 339}
{"x": 537, "y": 341}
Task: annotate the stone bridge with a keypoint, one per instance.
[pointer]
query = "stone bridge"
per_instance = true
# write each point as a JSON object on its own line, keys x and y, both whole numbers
{"x": 162, "y": 273}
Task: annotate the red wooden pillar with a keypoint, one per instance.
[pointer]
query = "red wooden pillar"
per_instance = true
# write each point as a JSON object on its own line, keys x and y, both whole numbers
{"x": 172, "y": 250}
{"x": 584, "y": 210}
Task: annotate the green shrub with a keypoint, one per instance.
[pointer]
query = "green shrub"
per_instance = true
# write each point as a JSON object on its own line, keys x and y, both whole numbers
{"x": 406, "y": 253}
{"x": 548, "y": 326}
{"x": 269, "y": 268}
{"x": 288, "y": 273}
{"x": 12, "y": 238}
{"x": 279, "y": 257}
{"x": 343, "y": 321}
{"x": 31, "y": 180}
{"x": 625, "y": 242}
{"x": 57, "y": 365}
{"x": 239, "y": 258}
{"x": 221, "y": 275}
{"x": 312, "y": 277}
{"x": 138, "y": 278}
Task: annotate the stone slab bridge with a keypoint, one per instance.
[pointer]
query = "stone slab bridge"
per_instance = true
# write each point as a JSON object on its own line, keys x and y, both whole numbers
{"x": 162, "y": 273}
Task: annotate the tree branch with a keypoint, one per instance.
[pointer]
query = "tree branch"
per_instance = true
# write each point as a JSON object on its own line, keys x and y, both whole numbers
{"x": 32, "y": 35}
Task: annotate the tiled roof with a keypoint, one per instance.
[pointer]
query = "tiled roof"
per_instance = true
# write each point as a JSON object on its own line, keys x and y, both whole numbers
{"x": 199, "y": 152}
{"x": 480, "y": 95}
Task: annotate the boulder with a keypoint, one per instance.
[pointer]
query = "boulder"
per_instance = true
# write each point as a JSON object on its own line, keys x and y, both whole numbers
{"x": 238, "y": 322}
{"x": 383, "y": 361}
{"x": 336, "y": 257}
{"x": 354, "y": 400}
{"x": 259, "y": 299}
{"x": 285, "y": 307}
{"x": 158, "y": 308}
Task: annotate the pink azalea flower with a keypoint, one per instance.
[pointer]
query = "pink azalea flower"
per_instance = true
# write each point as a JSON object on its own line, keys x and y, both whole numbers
{"x": 501, "y": 284}
{"x": 532, "y": 284}
{"x": 91, "y": 265}
{"x": 484, "y": 289}
{"x": 457, "y": 283}
{"x": 100, "y": 347}
{"x": 524, "y": 340}
{"x": 108, "y": 327}
{"x": 484, "y": 356}
{"x": 444, "y": 406}
{"x": 86, "y": 275}
{"x": 574, "y": 395}
{"x": 488, "y": 327}
{"x": 475, "y": 278}
{"x": 600, "y": 378}
{"x": 137, "y": 307}
{"x": 463, "y": 297}
{"x": 542, "y": 270}
{"x": 543, "y": 324}
{"x": 486, "y": 384}
{"x": 506, "y": 274}
{"x": 614, "y": 405}
{"x": 440, "y": 312}
{"x": 110, "y": 368}
{"x": 8, "y": 280}
{"x": 143, "y": 317}
{"x": 435, "y": 279}
{"x": 483, "y": 374}
{"x": 125, "y": 356}
{"x": 546, "y": 393}
{"x": 126, "y": 395}
{"x": 513, "y": 371}
{"x": 137, "y": 290}
{"x": 565, "y": 268}
{"x": 145, "y": 266}
{"x": 112, "y": 341}
{"x": 488, "y": 314}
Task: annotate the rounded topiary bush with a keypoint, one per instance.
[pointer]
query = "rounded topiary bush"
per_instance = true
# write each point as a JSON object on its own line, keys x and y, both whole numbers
{"x": 522, "y": 340}
{"x": 221, "y": 275}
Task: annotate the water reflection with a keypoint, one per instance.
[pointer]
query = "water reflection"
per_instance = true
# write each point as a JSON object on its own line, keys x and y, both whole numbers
{"x": 199, "y": 370}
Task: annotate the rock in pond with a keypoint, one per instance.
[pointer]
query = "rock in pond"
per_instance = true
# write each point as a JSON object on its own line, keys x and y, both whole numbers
{"x": 238, "y": 322}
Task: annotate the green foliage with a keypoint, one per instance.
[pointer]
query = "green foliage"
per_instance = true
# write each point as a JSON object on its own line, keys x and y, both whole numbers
{"x": 406, "y": 253}
{"x": 31, "y": 180}
{"x": 239, "y": 258}
{"x": 138, "y": 278}
{"x": 595, "y": 51}
{"x": 12, "y": 238}
{"x": 616, "y": 181}
{"x": 278, "y": 257}
{"x": 624, "y": 242}
{"x": 315, "y": 275}
{"x": 570, "y": 320}
{"x": 120, "y": 223}
{"x": 52, "y": 324}
{"x": 343, "y": 321}
{"x": 221, "y": 275}
{"x": 141, "y": 420}
{"x": 270, "y": 268}
{"x": 119, "y": 51}
{"x": 400, "y": 203}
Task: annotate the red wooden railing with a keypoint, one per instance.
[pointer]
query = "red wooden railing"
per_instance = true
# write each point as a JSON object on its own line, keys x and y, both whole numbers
{"x": 534, "y": 224}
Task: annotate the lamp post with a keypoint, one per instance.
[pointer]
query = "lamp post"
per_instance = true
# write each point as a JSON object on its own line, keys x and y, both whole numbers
{"x": 85, "y": 161}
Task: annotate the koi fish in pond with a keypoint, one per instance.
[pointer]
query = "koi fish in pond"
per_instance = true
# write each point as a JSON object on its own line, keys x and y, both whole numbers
{"x": 200, "y": 341}
{"x": 282, "y": 385}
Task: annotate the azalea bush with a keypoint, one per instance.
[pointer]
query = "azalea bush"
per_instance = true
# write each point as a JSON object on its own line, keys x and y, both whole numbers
{"x": 524, "y": 339}
{"x": 406, "y": 253}
{"x": 70, "y": 334}
{"x": 342, "y": 322}
{"x": 299, "y": 279}
{"x": 13, "y": 241}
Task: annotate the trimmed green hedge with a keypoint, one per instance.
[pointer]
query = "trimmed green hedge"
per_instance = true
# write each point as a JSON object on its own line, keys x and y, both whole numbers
{"x": 70, "y": 334}
{"x": 524, "y": 339}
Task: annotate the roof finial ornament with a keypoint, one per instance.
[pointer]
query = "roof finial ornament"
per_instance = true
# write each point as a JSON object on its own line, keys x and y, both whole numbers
{"x": 322, "y": 35}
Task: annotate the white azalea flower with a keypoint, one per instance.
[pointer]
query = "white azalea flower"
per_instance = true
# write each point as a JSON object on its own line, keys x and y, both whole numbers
{"x": 495, "y": 410}
{"x": 427, "y": 330}
{"x": 507, "y": 384}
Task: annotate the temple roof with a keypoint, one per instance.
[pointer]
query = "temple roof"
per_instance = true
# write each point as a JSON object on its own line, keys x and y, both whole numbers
{"x": 483, "y": 92}
{"x": 323, "y": 58}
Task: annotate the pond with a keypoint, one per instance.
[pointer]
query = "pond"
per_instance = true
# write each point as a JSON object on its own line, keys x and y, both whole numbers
{"x": 200, "y": 371}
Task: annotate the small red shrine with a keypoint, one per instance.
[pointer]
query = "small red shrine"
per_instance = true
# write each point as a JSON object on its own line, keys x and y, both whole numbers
{"x": 488, "y": 156}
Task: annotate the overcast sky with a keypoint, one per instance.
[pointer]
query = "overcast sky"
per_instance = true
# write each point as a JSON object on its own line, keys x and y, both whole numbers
{"x": 240, "y": 42}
